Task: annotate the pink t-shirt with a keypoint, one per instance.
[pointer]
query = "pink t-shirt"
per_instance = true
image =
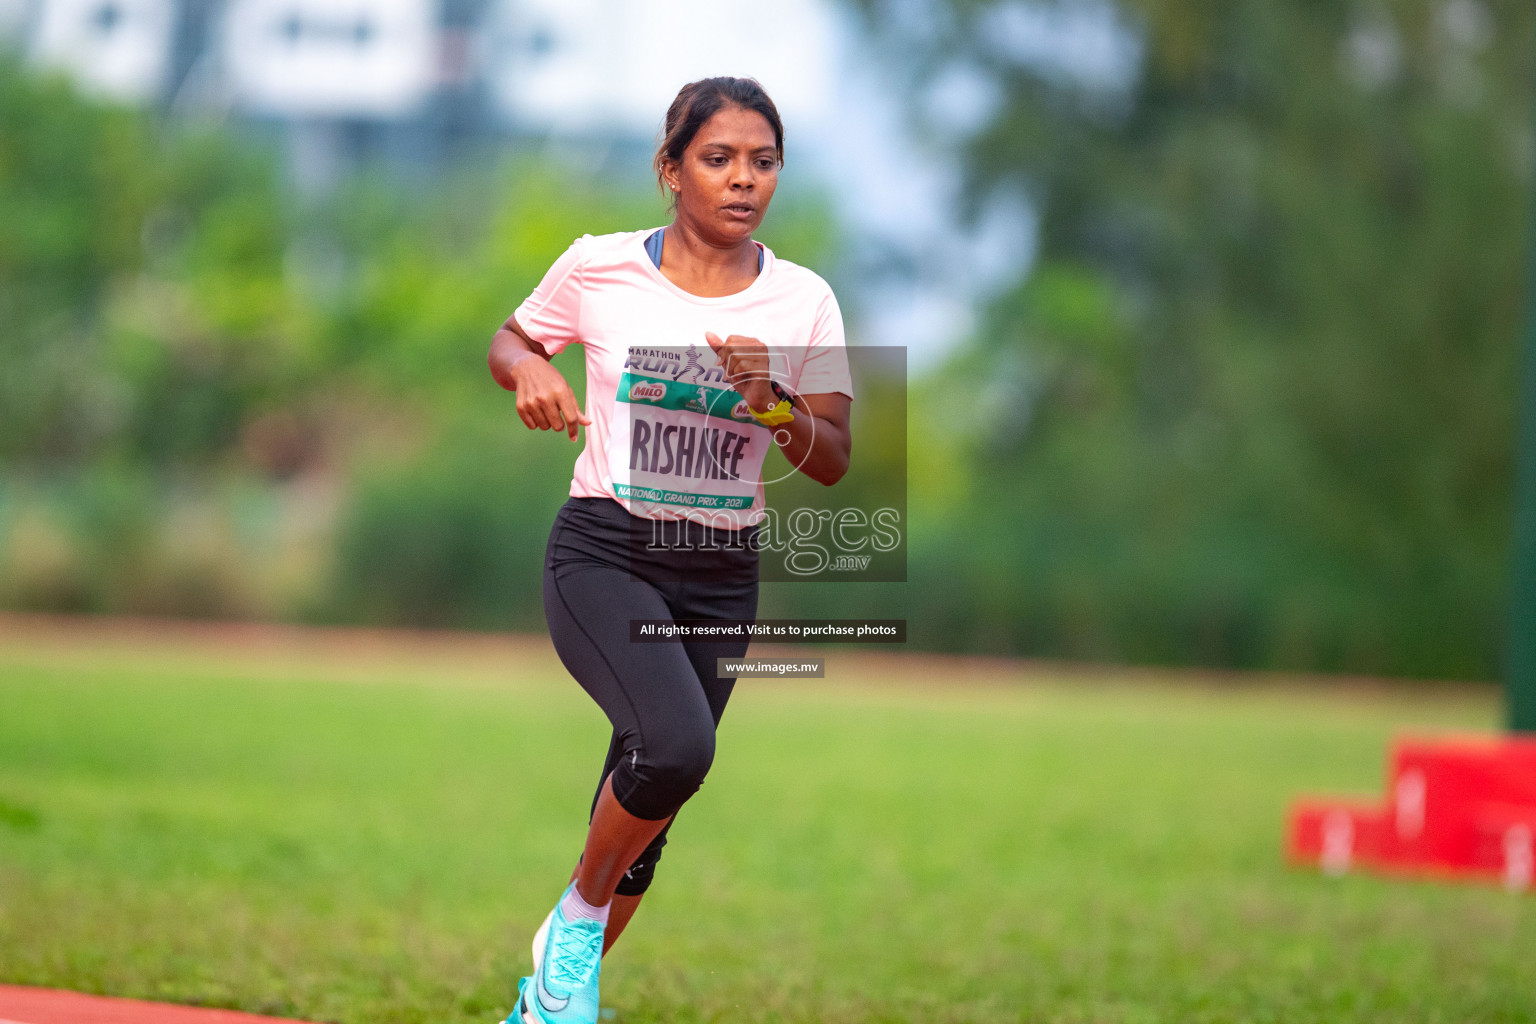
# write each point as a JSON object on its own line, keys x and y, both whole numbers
{"x": 669, "y": 438}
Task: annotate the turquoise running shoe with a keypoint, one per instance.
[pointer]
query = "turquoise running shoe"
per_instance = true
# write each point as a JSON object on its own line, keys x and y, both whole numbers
{"x": 519, "y": 1014}
{"x": 567, "y": 959}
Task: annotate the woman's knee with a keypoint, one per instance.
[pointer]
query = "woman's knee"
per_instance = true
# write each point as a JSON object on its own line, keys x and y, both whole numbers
{"x": 680, "y": 761}
{"x": 665, "y": 773}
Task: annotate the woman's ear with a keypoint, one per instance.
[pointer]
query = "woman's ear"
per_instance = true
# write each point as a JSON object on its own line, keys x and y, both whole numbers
{"x": 669, "y": 173}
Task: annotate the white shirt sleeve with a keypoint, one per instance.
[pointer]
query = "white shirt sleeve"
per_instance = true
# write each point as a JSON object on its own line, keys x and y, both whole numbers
{"x": 551, "y": 316}
{"x": 825, "y": 369}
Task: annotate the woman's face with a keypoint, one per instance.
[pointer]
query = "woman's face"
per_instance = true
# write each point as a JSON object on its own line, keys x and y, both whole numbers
{"x": 727, "y": 175}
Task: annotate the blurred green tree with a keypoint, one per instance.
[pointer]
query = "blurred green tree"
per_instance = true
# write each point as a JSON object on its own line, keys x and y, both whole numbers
{"x": 73, "y": 191}
{"x": 1254, "y": 405}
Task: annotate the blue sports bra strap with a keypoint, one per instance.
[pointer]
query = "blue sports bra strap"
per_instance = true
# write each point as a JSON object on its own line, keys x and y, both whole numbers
{"x": 654, "y": 240}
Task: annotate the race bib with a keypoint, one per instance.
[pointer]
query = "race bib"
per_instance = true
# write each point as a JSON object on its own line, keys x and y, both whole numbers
{"x": 683, "y": 439}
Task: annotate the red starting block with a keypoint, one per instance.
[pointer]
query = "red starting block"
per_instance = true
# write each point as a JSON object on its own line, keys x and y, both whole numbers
{"x": 1335, "y": 835}
{"x": 1459, "y": 805}
{"x": 1504, "y": 845}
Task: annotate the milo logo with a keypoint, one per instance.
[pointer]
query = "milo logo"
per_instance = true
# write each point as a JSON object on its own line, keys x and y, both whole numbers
{"x": 741, "y": 412}
{"x": 651, "y": 391}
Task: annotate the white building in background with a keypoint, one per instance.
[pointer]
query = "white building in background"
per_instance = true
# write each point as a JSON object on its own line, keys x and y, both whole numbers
{"x": 354, "y": 60}
{"x": 604, "y": 66}
{"x": 371, "y": 59}
{"x": 116, "y": 48}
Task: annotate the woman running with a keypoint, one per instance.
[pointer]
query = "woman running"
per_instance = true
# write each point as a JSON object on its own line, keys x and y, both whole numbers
{"x": 702, "y": 350}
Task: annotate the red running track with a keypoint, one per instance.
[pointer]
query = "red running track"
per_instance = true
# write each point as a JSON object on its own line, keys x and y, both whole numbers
{"x": 20, "y": 1005}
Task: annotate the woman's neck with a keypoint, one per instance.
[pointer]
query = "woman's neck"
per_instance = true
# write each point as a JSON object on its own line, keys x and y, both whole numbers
{"x": 702, "y": 268}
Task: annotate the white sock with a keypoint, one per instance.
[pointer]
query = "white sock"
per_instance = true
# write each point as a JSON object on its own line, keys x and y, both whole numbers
{"x": 574, "y": 907}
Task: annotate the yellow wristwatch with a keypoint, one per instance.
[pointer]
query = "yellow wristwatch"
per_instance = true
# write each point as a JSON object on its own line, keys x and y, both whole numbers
{"x": 780, "y": 412}
{"x": 774, "y": 414}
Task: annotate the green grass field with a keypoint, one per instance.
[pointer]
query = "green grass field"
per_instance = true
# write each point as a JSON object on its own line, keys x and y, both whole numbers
{"x": 368, "y": 831}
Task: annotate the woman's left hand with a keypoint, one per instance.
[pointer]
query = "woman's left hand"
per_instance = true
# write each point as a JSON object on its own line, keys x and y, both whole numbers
{"x": 745, "y": 361}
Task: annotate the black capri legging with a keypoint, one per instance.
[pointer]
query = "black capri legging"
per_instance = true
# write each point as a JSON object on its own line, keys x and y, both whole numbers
{"x": 604, "y": 567}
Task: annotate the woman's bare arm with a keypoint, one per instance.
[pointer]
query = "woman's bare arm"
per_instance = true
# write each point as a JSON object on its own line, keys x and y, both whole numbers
{"x": 544, "y": 400}
{"x": 820, "y": 441}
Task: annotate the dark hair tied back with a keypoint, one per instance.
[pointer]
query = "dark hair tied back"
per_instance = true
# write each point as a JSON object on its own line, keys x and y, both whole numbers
{"x": 699, "y": 101}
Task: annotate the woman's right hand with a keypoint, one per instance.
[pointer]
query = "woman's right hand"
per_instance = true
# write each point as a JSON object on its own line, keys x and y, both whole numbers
{"x": 544, "y": 399}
